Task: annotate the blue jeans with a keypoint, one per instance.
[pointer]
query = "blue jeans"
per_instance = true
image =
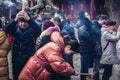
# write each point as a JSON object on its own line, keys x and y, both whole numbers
{"x": 86, "y": 61}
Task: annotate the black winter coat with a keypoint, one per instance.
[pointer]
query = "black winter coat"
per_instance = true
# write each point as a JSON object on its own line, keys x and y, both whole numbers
{"x": 24, "y": 41}
{"x": 86, "y": 38}
{"x": 96, "y": 27}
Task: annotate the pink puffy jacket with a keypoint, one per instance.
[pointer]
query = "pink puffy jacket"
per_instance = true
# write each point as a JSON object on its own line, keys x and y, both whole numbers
{"x": 46, "y": 58}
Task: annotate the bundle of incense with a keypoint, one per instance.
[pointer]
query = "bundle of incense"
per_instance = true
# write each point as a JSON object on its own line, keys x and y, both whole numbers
{"x": 24, "y": 5}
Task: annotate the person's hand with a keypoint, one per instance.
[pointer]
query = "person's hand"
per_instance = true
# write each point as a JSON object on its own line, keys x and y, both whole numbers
{"x": 19, "y": 15}
{"x": 118, "y": 28}
{"x": 26, "y": 16}
{"x": 76, "y": 74}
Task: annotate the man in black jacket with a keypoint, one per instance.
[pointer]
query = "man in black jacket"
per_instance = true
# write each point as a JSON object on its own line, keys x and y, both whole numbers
{"x": 24, "y": 31}
{"x": 96, "y": 27}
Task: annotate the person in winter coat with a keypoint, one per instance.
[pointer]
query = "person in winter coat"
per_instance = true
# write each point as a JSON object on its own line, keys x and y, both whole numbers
{"x": 4, "y": 50}
{"x": 87, "y": 43}
{"x": 109, "y": 38}
{"x": 24, "y": 31}
{"x": 66, "y": 29}
{"x": 96, "y": 27}
{"x": 48, "y": 58}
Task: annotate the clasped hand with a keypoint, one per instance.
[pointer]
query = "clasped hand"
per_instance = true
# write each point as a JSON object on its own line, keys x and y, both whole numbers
{"x": 22, "y": 14}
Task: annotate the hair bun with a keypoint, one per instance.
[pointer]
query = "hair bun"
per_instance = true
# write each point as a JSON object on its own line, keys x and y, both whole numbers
{"x": 66, "y": 38}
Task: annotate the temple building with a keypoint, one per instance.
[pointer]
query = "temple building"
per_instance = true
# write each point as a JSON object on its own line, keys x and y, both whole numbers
{"x": 70, "y": 7}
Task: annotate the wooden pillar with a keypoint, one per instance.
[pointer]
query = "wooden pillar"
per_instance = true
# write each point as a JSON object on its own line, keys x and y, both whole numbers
{"x": 92, "y": 9}
{"x": 29, "y": 3}
{"x": 61, "y": 5}
{"x": 86, "y": 5}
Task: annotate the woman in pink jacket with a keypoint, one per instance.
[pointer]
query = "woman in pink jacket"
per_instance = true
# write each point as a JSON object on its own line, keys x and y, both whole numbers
{"x": 48, "y": 57}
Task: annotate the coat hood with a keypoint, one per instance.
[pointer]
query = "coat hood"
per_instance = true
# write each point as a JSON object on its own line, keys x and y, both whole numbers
{"x": 57, "y": 38}
{"x": 49, "y": 31}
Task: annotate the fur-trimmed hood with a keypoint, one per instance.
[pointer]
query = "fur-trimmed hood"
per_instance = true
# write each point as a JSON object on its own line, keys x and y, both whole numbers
{"x": 49, "y": 31}
{"x": 46, "y": 32}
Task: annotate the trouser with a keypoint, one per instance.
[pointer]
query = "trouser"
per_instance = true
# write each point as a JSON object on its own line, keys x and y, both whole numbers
{"x": 96, "y": 69}
{"x": 85, "y": 64}
{"x": 17, "y": 67}
{"x": 107, "y": 72}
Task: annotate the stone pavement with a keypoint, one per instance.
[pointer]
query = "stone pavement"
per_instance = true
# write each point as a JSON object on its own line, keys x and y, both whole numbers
{"x": 10, "y": 65}
{"x": 76, "y": 63}
{"x": 116, "y": 68}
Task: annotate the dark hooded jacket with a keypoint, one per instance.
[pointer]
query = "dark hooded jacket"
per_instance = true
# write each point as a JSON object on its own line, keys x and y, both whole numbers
{"x": 24, "y": 41}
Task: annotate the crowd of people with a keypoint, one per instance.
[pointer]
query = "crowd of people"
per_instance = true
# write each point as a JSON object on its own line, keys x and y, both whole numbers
{"x": 44, "y": 49}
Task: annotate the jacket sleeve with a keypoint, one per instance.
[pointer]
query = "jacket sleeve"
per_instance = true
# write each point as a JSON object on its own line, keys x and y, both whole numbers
{"x": 11, "y": 28}
{"x": 96, "y": 29}
{"x": 57, "y": 63}
{"x": 35, "y": 27}
{"x": 111, "y": 37}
